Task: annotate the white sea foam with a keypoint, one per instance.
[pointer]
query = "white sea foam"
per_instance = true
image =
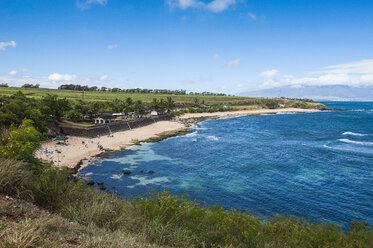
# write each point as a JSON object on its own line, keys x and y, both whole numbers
{"x": 191, "y": 134}
{"x": 356, "y": 142}
{"x": 212, "y": 138}
{"x": 116, "y": 176}
{"x": 200, "y": 128}
{"x": 353, "y": 134}
{"x": 133, "y": 147}
{"x": 286, "y": 113}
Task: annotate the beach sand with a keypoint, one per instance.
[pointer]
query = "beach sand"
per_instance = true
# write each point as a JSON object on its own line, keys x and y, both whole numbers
{"x": 80, "y": 148}
{"x": 244, "y": 113}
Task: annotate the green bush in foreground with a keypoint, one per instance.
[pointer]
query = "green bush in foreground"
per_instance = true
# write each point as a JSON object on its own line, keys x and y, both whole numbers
{"x": 167, "y": 220}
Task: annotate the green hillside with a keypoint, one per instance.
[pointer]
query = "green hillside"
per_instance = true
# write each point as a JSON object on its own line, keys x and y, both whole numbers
{"x": 108, "y": 95}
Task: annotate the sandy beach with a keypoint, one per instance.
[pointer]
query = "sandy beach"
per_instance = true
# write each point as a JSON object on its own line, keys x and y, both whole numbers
{"x": 80, "y": 148}
{"x": 244, "y": 112}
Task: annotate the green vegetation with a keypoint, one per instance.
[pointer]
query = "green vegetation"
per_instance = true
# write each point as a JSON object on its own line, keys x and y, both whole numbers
{"x": 20, "y": 143}
{"x": 45, "y": 108}
{"x": 103, "y": 96}
{"x": 84, "y": 217}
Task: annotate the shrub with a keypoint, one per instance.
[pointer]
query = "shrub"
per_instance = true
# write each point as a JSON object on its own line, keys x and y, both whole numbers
{"x": 272, "y": 104}
{"x": 51, "y": 184}
{"x": 16, "y": 179}
{"x": 169, "y": 220}
{"x": 20, "y": 143}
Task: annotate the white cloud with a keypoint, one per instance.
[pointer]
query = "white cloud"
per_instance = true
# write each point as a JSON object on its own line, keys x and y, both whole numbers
{"x": 104, "y": 77}
{"x": 357, "y": 73}
{"x": 4, "y": 45}
{"x": 216, "y": 56}
{"x": 13, "y": 73}
{"x": 55, "y": 80}
{"x": 356, "y": 67}
{"x": 252, "y": 16}
{"x": 214, "y": 5}
{"x": 270, "y": 74}
{"x": 86, "y": 4}
{"x": 113, "y": 46}
{"x": 233, "y": 63}
{"x": 25, "y": 69}
{"x": 61, "y": 77}
{"x": 220, "y": 5}
{"x": 184, "y": 4}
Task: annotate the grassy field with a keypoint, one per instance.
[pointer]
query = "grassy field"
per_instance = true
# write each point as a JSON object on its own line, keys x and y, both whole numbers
{"x": 107, "y": 96}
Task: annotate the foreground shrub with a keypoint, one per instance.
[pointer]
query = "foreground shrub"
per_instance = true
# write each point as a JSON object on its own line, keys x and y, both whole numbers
{"x": 21, "y": 142}
{"x": 51, "y": 184}
{"x": 16, "y": 179}
{"x": 164, "y": 219}
{"x": 217, "y": 227}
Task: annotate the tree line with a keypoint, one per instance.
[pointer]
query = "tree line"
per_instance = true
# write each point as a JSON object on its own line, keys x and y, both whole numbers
{"x": 14, "y": 109}
{"x": 136, "y": 90}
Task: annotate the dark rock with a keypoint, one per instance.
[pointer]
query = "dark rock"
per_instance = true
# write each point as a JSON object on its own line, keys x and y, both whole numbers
{"x": 100, "y": 183}
{"x": 127, "y": 172}
{"x": 142, "y": 171}
{"x": 151, "y": 172}
{"x": 103, "y": 188}
{"x": 90, "y": 183}
{"x": 73, "y": 178}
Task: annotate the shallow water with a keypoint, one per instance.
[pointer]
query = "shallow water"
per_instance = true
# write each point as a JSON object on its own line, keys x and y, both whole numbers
{"x": 313, "y": 165}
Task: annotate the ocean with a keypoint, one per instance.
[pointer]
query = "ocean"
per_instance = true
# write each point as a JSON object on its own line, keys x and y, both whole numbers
{"x": 315, "y": 166}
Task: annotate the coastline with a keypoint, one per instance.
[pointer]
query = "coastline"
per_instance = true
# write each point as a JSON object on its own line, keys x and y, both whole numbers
{"x": 80, "y": 151}
{"x": 244, "y": 113}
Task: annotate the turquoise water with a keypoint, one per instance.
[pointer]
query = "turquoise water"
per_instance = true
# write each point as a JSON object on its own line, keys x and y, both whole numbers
{"x": 317, "y": 166}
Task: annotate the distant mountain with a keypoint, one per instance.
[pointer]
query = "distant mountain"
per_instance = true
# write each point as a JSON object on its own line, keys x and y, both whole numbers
{"x": 318, "y": 93}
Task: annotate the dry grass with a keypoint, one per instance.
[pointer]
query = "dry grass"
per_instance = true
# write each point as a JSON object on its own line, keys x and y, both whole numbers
{"x": 16, "y": 179}
{"x": 25, "y": 225}
{"x": 85, "y": 217}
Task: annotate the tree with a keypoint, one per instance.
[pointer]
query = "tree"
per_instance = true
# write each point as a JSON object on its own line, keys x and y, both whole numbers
{"x": 95, "y": 109}
{"x": 30, "y": 86}
{"x": 170, "y": 104}
{"x": 154, "y": 104}
{"x": 272, "y": 104}
{"x": 16, "y": 108}
{"x": 196, "y": 102}
{"x": 20, "y": 143}
{"x": 138, "y": 107}
{"x": 54, "y": 108}
{"x": 74, "y": 115}
{"x": 129, "y": 101}
{"x": 162, "y": 104}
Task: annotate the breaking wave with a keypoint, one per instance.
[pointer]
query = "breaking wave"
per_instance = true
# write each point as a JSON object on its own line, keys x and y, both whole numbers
{"x": 353, "y": 134}
{"x": 356, "y": 142}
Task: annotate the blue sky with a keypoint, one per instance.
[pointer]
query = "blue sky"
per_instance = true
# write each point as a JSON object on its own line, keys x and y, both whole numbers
{"x": 215, "y": 45}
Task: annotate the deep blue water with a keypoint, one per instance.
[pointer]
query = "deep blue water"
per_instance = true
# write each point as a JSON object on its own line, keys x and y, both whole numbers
{"x": 313, "y": 165}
